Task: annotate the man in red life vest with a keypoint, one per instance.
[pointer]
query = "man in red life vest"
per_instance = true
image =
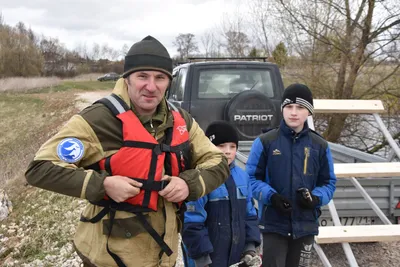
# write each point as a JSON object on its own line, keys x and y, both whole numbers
{"x": 135, "y": 159}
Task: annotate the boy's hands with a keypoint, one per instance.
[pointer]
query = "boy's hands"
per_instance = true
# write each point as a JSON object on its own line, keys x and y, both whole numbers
{"x": 306, "y": 199}
{"x": 249, "y": 259}
{"x": 281, "y": 204}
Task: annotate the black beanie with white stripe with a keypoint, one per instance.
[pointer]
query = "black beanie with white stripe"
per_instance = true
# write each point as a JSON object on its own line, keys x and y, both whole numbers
{"x": 298, "y": 94}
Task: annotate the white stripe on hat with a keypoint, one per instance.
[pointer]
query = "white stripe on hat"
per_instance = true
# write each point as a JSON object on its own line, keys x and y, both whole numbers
{"x": 305, "y": 103}
{"x": 287, "y": 101}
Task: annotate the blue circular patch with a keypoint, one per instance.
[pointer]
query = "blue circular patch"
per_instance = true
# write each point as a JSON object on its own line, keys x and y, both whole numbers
{"x": 70, "y": 150}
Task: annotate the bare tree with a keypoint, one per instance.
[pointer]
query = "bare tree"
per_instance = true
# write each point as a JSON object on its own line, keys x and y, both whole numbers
{"x": 82, "y": 50}
{"x": 237, "y": 43}
{"x": 207, "y": 40}
{"x": 124, "y": 50}
{"x": 186, "y": 45}
{"x": 95, "y": 55}
{"x": 262, "y": 23}
{"x": 19, "y": 54}
{"x": 359, "y": 32}
{"x": 53, "y": 54}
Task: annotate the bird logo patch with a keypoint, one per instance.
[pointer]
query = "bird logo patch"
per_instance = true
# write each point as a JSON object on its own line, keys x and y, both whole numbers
{"x": 70, "y": 150}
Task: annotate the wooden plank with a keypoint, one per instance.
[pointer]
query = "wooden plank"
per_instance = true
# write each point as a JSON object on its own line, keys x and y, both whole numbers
{"x": 348, "y": 106}
{"x": 375, "y": 169}
{"x": 360, "y": 233}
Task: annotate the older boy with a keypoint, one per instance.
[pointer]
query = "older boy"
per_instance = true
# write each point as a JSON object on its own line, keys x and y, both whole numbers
{"x": 291, "y": 173}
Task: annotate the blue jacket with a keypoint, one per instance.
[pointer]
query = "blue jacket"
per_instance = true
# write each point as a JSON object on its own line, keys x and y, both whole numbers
{"x": 223, "y": 223}
{"x": 281, "y": 161}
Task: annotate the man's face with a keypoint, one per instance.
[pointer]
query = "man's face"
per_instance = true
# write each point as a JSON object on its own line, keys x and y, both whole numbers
{"x": 146, "y": 89}
{"x": 295, "y": 115}
{"x": 229, "y": 149}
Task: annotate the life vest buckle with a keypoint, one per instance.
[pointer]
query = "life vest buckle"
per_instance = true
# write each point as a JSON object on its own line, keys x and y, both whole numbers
{"x": 160, "y": 148}
{"x": 163, "y": 184}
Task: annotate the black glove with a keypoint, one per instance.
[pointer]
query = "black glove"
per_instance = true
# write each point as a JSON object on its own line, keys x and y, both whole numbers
{"x": 306, "y": 199}
{"x": 247, "y": 257}
{"x": 281, "y": 204}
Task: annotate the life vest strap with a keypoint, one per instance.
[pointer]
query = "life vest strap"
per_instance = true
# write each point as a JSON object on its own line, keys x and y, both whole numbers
{"x": 164, "y": 247}
{"x": 114, "y": 103}
{"x": 111, "y": 208}
{"x": 115, "y": 257}
{"x": 152, "y": 185}
{"x": 158, "y": 148}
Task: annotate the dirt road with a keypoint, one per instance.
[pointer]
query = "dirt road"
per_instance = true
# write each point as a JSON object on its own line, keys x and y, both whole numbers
{"x": 85, "y": 99}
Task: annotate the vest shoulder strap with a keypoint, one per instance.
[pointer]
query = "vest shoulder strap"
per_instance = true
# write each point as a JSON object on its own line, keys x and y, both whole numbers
{"x": 185, "y": 115}
{"x": 172, "y": 106}
{"x": 114, "y": 103}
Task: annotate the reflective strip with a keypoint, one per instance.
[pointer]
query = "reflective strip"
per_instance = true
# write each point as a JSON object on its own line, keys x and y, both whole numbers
{"x": 172, "y": 106}
{"x": 115, "y": 103}
{"x": 85, "y": 183}
{"x": 218, "y": 199}
{"x": 240, "y": 194}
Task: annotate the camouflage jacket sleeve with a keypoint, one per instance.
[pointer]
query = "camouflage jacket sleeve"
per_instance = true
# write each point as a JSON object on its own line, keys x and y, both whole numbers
{"x": 49, "y": 172}
{"x": 210, "y": 167}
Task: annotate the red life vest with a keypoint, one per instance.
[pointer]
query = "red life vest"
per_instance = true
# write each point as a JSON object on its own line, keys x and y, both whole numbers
{"x": 142, "y": 158}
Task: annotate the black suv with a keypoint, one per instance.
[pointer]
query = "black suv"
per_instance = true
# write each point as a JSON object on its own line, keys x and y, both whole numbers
{"x": 245, "y": 93}
{"x": 112, "y": 76}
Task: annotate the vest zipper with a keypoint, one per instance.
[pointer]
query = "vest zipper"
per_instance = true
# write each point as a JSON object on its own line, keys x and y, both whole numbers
{"x": 306, "y": 155}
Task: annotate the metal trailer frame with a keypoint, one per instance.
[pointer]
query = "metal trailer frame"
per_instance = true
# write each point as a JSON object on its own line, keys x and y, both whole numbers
{"x": 332, "y": 209}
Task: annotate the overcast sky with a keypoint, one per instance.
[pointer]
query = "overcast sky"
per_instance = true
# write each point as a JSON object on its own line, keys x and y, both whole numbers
{"x": 117, "y": 22}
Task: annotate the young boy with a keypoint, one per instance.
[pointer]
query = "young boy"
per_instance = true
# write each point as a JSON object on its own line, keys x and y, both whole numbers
{"x": 291, "y": 173}
{"x": 221, "y": 228}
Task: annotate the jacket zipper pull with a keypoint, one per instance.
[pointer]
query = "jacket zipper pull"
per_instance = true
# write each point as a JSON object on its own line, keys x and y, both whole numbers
{"x": 151, "y": 123}
{"x": 306, "y": 155}
{"x": 182, "y": 161}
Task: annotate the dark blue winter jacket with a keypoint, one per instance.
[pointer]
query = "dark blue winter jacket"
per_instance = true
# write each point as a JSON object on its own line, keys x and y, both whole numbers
{"x": 222, "y": 223}
{"x": 281, "y": 161}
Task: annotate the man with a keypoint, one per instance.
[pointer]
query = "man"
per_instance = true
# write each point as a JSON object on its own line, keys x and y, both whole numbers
{"x": 291, "y": 173}
{"x": 136, "y": 159}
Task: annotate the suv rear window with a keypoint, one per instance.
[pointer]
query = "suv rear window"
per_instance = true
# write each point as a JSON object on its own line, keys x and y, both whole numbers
{"x": 225, "y": 83}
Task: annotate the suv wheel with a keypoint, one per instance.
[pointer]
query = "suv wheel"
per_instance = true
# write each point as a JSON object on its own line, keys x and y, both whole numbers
{"x": 250, "y": 112}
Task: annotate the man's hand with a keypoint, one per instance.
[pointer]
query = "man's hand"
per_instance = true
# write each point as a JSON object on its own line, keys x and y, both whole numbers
{"x": 120, "y": 188}
{"x": 176, "y": 191}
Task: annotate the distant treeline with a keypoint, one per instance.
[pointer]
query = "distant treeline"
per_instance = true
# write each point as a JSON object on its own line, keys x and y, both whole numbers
{"x": 24, "y": 53}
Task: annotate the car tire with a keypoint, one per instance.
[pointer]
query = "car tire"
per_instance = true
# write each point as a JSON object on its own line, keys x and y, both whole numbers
{"x": 251, "y": 112}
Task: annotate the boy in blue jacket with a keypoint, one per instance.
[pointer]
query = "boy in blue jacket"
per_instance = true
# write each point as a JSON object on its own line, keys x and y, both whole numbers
{"x": 291, "y": 173}
{"x": 221, "y": 228}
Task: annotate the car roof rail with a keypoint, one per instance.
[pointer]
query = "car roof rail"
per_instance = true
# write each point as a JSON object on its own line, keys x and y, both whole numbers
{"x": 193, "y": 59}
{"x": 177, "y": 63}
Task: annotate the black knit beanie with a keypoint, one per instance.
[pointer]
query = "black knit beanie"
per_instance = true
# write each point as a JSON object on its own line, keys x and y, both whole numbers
{"x": 298, "y": 94}
{"x": 220, "y": 132}
{"x": 148, "y": 54}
